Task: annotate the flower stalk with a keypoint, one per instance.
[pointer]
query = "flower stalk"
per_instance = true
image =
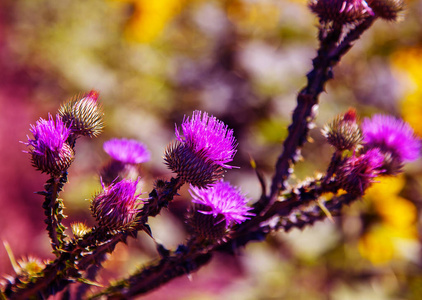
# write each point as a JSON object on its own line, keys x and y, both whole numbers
{"x": 53, "y": 210}
{"x": 331, "y": 49}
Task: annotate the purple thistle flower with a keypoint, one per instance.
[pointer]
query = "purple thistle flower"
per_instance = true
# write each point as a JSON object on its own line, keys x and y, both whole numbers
{"x": 199, "y": 156}
{"x": 392, "y": 136}
{"x": 116, "y": 207}
{"x": 206, "y": 134}
{"x": 50, "y": 152}
{"x": 127, "y": 151}
{"x": 357, "y": 172}
{"x": 221, "y": 198}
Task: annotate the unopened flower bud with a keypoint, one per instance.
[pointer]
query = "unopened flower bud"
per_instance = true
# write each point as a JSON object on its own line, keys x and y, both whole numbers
{"x": 50, "y": 152}
{"x": 117, "y": 206}
{"x": 84, "y": 115}
{"x": 357, "y": 172}
{"x": 343, "y": 132}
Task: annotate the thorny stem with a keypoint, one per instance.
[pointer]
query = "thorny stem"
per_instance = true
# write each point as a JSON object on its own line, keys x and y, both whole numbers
{"x": 182, "y": 261}
{"x": 79, "y": 255}
{"x": 305, "y": 110}
{"x": 329, "y": 54}
{"x": 53, "y": 208}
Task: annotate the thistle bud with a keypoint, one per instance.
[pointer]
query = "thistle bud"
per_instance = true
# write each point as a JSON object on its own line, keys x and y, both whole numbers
{"x": 84, "y": 116}
{"x": 216, "y": 209}
{"x": 343, "y": 132}
{"x": 201, "y": 154}
{"x": 340, "y": 11}
{"x": 50, "y": 152}
{"x": 387, "y": 9}
{"x": 117, "y": 206}
{"x": 357, "y": 172}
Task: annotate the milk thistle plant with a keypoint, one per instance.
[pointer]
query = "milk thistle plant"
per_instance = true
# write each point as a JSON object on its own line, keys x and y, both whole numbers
{"x": 221, "y": 217}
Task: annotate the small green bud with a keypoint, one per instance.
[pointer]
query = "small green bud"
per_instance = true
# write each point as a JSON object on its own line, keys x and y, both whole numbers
{"x": 343, "y": 132}
{"x": 84, "y": 116}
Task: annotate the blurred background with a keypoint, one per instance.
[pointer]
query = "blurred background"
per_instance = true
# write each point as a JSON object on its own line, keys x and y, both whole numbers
{"x": 243, "y": 61}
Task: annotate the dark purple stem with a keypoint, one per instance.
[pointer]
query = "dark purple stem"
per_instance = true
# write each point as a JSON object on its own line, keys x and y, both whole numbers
{"x": 67, "y": 267}
{"x": 329, "y": 54}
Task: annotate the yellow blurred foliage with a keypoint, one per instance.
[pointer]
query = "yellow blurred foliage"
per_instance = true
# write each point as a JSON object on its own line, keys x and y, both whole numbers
{"x": 377, "y": 245}
{"x": 150, "y": 18}
{"x": 408, "y": 62}
{"x": 385, "y": 187}
{"x": 254, "y": 15}
{"x": 397, "y": 221}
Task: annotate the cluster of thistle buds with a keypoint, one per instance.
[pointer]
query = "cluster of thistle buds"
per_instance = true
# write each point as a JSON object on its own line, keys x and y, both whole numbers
{"x": 52, "y": 147}
{"x": 379, "y": 146}
{"x": 203, "y": 149}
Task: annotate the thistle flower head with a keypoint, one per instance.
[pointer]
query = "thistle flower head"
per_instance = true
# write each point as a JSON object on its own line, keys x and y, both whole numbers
{"x": 357, "y": 172}
{"x": 49, "y": 151}
{"x": 84, "y": 116}
{"x": 340, "y": 11}
{"x": 343, "y": 132}
{"x": 387, "y": 9}
{"x": 209, "y": 135}
{"x": 116, "y": 206}
{"x": 392, "y": 136}
{"x": 204, "y": 149}
{"x": 127, "y": 151}
{"x": 222, "y": 199}
{"x": 216, "y": 209}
